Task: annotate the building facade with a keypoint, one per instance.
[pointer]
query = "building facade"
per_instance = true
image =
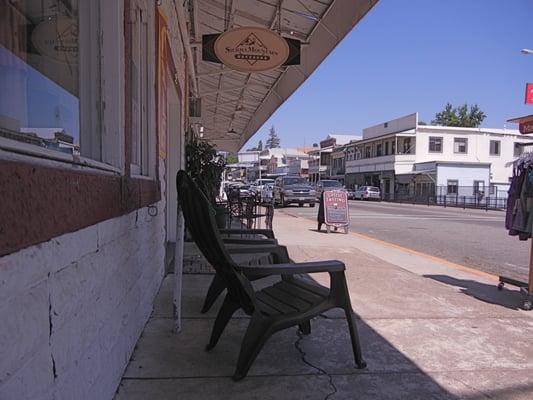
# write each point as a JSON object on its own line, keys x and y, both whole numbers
{"x": 401, "y": 156}
{"x": 274, "y": 162}
{"x": 92, "y": 131}
{"x": 321, "y": 159}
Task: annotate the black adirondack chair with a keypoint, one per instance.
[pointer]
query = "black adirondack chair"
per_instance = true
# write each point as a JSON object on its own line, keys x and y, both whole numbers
{"x": 237, "y": 241}
{"x": 291, "y": 301}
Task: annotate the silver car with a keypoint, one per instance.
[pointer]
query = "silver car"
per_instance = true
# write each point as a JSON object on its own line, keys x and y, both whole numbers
{"x": 368, "y": 193}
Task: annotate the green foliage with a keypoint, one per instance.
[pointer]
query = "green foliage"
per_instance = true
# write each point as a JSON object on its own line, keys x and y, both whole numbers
{"x": 232, "y": 159}
{"x": 205, "y": 166}
{"x": 273, "y": 140}
{"x": 460, "y": 116}
{"x": 259, "y": 147}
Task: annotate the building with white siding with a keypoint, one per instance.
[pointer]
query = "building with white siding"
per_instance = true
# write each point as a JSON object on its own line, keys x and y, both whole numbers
{"x": 401, "y": 156}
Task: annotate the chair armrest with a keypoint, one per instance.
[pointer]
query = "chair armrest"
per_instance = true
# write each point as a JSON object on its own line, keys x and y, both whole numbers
{"x": 265, "y": 232}
{"x": 296, "y": 268}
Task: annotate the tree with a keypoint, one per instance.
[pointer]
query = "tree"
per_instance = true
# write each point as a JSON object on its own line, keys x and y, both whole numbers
{"x": 232, "y": 159}
{"x": 460, "y": 116}
{"x": 260, "y": 146}
{"x": 273, "y": 140}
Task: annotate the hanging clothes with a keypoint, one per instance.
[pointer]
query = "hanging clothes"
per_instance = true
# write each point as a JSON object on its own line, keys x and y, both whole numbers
{"x": 519, "y": 215}
{"x": 513, "y": 199}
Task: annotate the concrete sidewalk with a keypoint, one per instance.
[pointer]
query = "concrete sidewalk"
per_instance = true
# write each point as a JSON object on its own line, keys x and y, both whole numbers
{"x": 429, "y": 329}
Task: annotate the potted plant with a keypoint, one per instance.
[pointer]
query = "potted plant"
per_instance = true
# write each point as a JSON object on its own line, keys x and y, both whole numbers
{"x": 206, "y": 167}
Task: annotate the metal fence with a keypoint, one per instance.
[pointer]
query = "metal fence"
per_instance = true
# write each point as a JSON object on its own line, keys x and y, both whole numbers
{"x": 457, "y": 196}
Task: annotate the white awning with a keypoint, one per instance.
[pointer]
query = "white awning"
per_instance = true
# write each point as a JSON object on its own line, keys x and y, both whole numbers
{"x": 241, "y": 102}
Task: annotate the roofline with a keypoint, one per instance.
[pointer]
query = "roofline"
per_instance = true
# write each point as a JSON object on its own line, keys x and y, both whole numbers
{"x": 518, "y": 120}
{"x": 477, "y": 130}
{"x": 454, "y": 163}
{"x": 384, "y": 136}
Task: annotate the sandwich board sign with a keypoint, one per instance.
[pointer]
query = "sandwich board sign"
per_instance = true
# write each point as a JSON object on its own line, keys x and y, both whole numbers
{"x": 336, "y": 213}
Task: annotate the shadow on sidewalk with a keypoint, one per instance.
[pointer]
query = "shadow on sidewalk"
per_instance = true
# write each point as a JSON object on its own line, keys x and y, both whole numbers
{"x": 487, "y": 293}
{"x": 316, "y": 366}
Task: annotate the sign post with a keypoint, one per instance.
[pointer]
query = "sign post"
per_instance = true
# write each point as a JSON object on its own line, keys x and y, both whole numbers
{"x": 336, "y": 212}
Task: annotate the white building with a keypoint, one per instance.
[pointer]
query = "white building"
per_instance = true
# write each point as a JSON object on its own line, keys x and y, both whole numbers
{"x": 401, "y": 156}
{"x": 274, "y": 162}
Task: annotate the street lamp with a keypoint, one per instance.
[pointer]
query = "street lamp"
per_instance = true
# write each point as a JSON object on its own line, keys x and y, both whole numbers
{"x": 526, "y": 51}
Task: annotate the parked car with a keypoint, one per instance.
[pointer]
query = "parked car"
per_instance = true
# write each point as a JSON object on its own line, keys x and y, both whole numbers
{"x": 351, "y": 194}
{"x": 368, "y": 193}
{"x": 258, "y": 185}
{"x": 293, "y": 190}
{"x": 328, "y": 184}
{"x": 245, "y": 191}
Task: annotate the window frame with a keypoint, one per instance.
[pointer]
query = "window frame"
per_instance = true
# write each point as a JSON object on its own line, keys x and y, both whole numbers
{"x": 518, "y": 145}
{"x": 449, "y": 183}
{"x": 101, "y": 140}
{"x": 456, "y": 141}
{"x": 441, "y": 143}
{"x": 496, "y": 154}
{"x": 142, "y": 18}
{"x": 478, "y": 186}
{"x": 104, "y": 189}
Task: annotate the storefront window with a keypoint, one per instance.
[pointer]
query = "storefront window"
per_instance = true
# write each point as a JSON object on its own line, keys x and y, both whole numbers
{"x": 39, "y": 73}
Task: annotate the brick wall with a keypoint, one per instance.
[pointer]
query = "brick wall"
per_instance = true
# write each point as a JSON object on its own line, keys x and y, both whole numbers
{"x": 72, "y": 308}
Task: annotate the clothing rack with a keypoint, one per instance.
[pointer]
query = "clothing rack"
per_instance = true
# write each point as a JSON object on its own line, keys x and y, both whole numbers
{"x": 525, "y": 287}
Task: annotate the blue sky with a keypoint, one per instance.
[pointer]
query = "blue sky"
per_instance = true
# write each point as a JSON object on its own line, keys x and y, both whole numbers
{"x": 415, "y": 55}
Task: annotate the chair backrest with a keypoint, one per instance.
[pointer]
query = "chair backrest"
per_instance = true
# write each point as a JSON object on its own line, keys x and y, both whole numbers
{"x": 199, "y": 217}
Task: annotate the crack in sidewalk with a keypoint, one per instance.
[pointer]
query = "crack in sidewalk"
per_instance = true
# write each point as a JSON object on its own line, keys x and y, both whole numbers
{"x": 320, "y": 370}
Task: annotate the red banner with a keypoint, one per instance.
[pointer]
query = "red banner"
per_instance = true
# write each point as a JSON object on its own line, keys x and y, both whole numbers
{"x": 529, "y": 93}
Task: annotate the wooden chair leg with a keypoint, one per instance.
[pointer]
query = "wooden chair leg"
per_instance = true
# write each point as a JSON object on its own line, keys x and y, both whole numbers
{"x": 255, "y": 337}
{"x": 305, "y": 327}
{"x": 224, "y": 315}
{"x": 354, "y": 336}
{"x": 217, "y": 286}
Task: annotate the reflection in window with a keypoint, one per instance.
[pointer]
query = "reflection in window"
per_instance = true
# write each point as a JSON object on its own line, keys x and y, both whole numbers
{"x": 39, "y": 91}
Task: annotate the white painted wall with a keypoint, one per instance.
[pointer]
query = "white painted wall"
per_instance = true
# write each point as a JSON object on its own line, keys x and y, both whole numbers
{"x": 73, "y": 308}
{"x": 466, "y": 175}
{"x": 478, "y": 147}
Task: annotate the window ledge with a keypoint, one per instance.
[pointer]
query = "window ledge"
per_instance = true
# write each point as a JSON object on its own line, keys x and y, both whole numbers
{"x": 143, "y": 177}
{"x": 14, "y": 150}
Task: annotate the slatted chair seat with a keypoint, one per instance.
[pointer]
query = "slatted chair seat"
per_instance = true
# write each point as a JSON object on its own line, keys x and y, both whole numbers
{"x": 290, "y": 297}
{"x": 292, "y": 301}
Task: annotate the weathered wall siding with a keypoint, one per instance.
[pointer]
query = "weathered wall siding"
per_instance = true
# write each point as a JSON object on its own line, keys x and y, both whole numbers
{"x": 73, "y": 308}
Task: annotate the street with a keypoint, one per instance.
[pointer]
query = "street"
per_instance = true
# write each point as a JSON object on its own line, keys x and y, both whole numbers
{"x": 473, "y": 238}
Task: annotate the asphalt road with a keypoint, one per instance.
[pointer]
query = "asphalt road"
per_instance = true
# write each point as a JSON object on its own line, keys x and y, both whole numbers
{"x": 474, "y": 238}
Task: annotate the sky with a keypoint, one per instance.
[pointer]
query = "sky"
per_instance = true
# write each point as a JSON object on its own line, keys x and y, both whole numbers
{"x": 410, "y": 56}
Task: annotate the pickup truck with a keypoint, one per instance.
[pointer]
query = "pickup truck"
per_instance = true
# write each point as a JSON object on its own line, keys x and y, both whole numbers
{"x": 293, "y": 190}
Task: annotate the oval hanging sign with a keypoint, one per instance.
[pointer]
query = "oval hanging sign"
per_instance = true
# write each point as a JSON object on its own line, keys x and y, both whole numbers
{"x": 251, "y": 49}
{"x": 57, "y": 39}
